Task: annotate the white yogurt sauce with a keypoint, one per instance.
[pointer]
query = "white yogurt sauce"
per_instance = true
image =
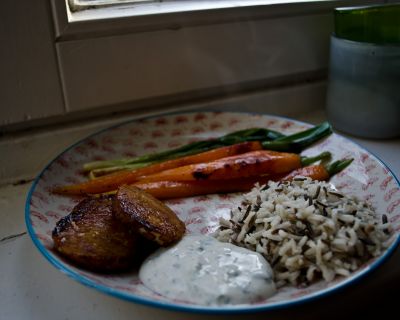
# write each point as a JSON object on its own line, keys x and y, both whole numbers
{"x": 201, "y": 270}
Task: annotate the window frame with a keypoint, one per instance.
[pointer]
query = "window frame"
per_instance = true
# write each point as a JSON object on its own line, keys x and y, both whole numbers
{"x": 66, "y": 30}
{"x": 109, "y": 54}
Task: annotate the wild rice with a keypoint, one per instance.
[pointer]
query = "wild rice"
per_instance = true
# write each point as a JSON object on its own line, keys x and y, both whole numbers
{"x": 307, "y": 230}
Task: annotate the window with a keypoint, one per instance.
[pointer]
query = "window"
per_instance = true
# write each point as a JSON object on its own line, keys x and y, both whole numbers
{"x": 144, "y": 53}
{"x": 113, "y": 55}
{"x": 81, "y": 10}
{"x": 79, "y": 5}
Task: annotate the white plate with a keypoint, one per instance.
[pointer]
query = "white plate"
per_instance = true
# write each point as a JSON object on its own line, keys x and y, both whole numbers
{"x": 367, "y": 178}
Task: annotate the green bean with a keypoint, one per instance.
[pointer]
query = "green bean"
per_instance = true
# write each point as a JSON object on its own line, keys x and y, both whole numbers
{"x": 253, "y": 134}
{"x": 269, "y": 139}
{"x": 299, "y": 141}
{"x": 337, "y": 166}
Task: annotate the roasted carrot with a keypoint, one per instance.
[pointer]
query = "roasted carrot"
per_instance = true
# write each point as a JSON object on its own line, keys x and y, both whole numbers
{"x": 315, "y": 172}
{"x": 181, "y": 189}
{"x": 248, "y": 164}
{"x": 113, "y": 181}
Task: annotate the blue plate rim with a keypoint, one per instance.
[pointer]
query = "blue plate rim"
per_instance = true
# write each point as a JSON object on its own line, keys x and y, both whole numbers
{"x": 230, "y": 309}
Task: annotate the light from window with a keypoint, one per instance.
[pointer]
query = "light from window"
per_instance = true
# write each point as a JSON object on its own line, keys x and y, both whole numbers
{"x": 84, "y": 10}
{"x": 79, "y": 5}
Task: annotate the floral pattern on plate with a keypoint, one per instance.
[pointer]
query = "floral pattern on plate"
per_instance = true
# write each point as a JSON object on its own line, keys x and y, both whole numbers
{"x": 367, "y": 178}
